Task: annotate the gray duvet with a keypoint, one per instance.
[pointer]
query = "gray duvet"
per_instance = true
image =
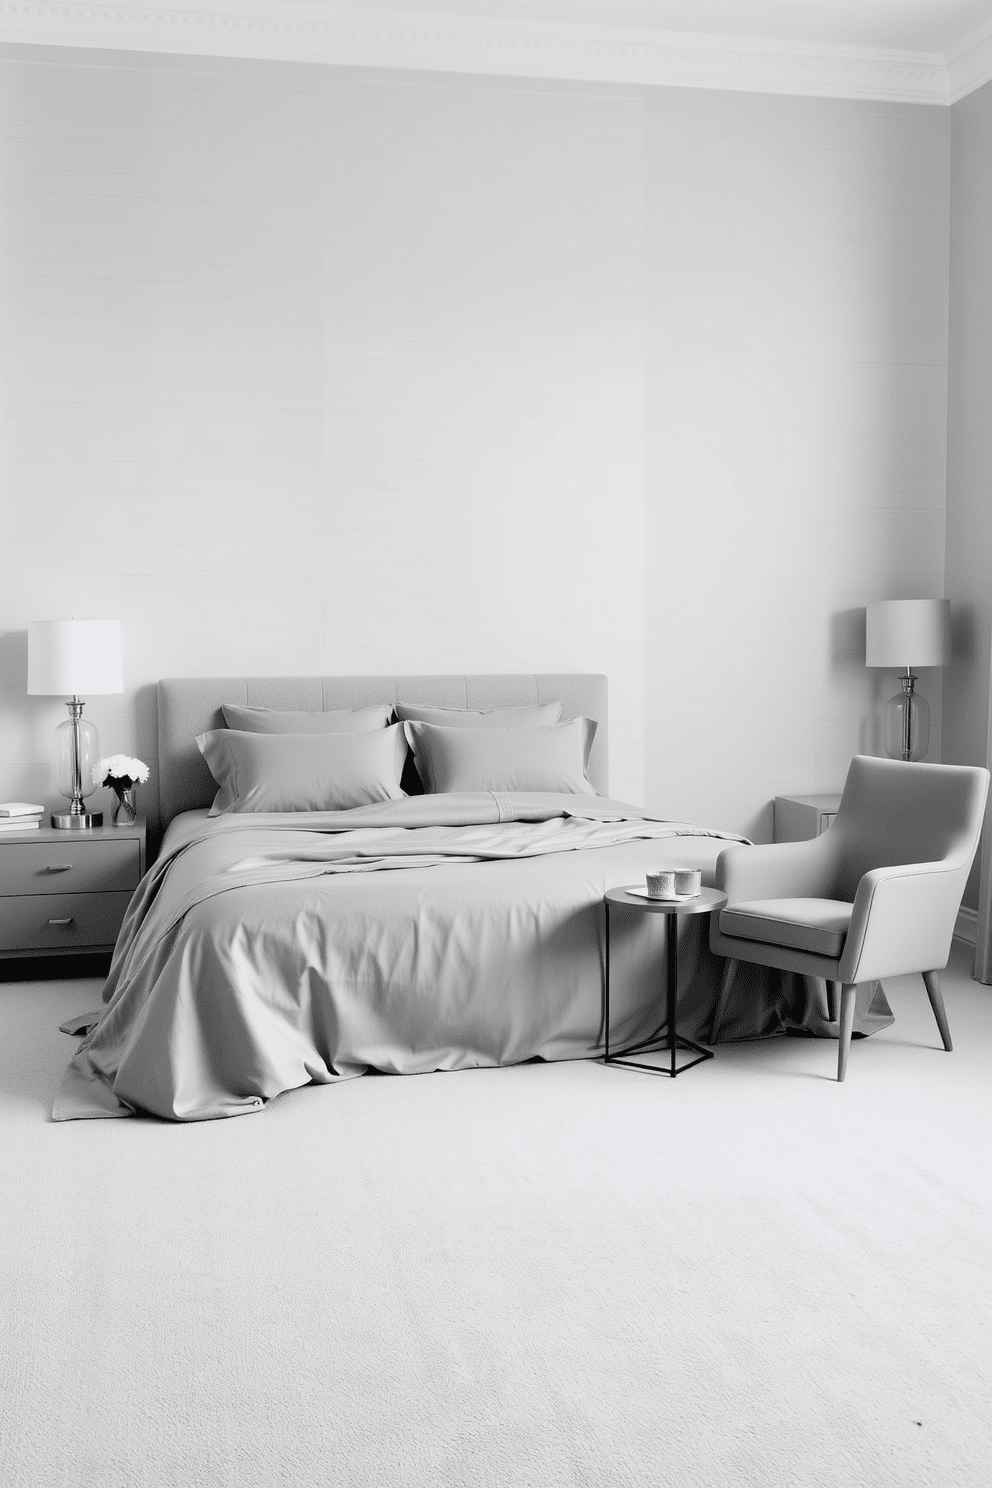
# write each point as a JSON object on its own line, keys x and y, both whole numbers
{"x": 262, "y": 953}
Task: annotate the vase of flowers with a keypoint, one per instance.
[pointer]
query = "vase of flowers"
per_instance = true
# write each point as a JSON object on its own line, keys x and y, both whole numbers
{"x": 121, "y": 773}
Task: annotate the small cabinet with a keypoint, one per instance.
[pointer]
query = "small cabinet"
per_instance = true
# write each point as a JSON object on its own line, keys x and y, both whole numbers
{"x": 797, "y": 818}
{"x": 64, "y": 892}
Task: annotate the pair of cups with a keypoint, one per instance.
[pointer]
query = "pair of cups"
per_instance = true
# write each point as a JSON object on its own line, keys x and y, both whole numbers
{"x": 674, "y": 883}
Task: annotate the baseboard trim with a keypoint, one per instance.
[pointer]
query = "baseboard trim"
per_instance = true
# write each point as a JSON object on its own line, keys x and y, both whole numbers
{"x": 966, "y": 925}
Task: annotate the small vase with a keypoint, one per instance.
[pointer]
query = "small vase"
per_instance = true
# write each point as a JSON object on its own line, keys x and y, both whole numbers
{"x": 124, "y": 812}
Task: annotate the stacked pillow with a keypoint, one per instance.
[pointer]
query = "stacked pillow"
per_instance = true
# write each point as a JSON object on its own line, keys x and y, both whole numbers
{"x": 337, "y": 721}
{"x": 416, "y": 779}
{"x": 552, "y": 757}
{"x": 271, "y": 761}
{"x": 531, "y": 715}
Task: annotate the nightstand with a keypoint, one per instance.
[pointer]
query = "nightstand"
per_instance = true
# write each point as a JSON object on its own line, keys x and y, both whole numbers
{"x": 798, "y": 818}
{"x": 66, "y": 892}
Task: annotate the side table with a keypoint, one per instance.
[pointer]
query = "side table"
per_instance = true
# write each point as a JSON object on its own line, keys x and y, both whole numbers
{"x": 702, "y": 903}
{"x": 66, "y": 892}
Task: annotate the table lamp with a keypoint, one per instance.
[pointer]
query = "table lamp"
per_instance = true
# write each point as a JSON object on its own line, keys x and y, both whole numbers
{"x": 73, "y": 657}
{"x": 907, "y": 633}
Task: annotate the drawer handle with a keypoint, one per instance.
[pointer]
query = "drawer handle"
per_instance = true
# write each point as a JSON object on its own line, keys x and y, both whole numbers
{"x": 58, "y": 867}
{"x": 66, "y": 921}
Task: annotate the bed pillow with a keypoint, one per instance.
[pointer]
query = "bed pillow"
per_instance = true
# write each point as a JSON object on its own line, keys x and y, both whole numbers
{"x": 337, "y": 721}
{"x": 531, "y": 715}
{"x": 303, "y": 772}
{"x": 552, "y": 758}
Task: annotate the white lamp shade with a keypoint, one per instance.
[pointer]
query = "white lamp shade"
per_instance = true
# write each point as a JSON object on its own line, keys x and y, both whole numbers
{"x": 81, "y": 657}
{"x": 906, "y": 633}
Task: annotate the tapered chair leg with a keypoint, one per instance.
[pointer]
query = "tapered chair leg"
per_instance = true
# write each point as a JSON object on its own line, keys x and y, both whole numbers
{"x": 932, "y": 982}
{"x": 848, "y": 997}
{"x": 829, "y": 994}
{"x": 833, "y": 1000}
{"x": 729, "y": 972}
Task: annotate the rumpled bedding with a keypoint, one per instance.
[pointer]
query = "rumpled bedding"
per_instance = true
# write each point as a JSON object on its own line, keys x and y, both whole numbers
{"x": 261, "y": 953}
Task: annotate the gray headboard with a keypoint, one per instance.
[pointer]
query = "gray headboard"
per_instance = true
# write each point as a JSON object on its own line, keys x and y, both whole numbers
{"x": 187, "y": 706}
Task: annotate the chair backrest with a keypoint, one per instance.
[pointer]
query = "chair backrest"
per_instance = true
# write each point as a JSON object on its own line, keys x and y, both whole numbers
{"x": 896, "y": 811}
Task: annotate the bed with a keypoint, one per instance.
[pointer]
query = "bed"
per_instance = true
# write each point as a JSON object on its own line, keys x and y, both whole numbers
{"x": 434, "y": 930}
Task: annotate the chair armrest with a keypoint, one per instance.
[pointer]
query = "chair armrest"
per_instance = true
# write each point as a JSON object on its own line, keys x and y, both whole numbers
{"x": 778, "y": 870}
{"x": 903, "y": 920}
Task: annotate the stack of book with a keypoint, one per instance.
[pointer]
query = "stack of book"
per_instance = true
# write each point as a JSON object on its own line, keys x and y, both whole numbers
{"x": 19, "y": 816}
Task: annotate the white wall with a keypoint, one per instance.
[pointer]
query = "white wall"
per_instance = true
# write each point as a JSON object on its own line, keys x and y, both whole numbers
{"x": 969, "y": 432}
{"x": 315, "y": 372}
{"x": 797, "y": 265}
{"x": 969, "y": 455}
{"x": 311, "y": 370}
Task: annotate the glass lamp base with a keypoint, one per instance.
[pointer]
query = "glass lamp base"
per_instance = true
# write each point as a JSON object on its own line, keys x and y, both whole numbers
{"x": 77, "y": 821}
{"x": 907, "y": 724}
{"x": 77, "y": 749}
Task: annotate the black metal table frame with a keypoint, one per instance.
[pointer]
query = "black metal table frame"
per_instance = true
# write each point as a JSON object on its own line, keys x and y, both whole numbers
{"x": 673, "y": 1041}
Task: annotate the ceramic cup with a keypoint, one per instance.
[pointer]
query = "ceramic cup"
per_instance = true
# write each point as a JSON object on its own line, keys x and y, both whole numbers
{"x": 674, "y": 883}
{"x": 688, "y": 880}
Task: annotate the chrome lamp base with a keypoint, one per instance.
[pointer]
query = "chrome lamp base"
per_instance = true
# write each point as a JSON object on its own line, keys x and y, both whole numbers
{"x": 77, "y": 821}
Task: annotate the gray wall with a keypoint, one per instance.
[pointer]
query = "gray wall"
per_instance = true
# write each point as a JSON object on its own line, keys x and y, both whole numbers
{"x": 310, "y": 371}
{"x": 314, "y": 371}
{"x": 797, "y": 313}
{"x": 969, "y": 449}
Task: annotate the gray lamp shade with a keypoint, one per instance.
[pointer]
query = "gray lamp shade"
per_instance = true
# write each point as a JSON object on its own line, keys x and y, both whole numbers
{"x": 907, "y": 633}
{"x": 74, "y": 657}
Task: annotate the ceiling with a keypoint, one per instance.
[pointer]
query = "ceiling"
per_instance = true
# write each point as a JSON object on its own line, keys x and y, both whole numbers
{"x": 921, "y": 51}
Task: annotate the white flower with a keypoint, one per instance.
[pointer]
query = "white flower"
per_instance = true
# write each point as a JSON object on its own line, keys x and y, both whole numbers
{"x": 120, "y": 771}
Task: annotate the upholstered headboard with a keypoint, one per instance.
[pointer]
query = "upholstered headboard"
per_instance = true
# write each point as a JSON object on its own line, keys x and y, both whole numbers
{"x": 187, "y": 706}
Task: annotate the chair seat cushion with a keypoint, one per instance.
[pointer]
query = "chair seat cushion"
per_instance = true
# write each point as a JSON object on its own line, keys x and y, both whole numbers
{"x": 817, "y": 925}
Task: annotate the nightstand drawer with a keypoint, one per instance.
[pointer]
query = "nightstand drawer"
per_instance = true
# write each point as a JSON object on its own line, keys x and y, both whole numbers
{"x": 46, "y": 922}
{"x": 71, "y": 867}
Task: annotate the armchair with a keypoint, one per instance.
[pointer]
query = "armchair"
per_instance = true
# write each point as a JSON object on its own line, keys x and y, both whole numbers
{"x": 875, "y": 895}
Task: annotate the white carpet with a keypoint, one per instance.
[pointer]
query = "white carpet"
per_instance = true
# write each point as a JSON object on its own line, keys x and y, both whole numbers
{"x": 554, "y": 1274}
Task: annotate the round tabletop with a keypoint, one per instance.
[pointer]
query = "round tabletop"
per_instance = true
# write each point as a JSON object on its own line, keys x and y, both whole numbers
{"x": 701, "y": 903}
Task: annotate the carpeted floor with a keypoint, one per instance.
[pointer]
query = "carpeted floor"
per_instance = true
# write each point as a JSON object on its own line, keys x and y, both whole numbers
{"x": 547, "y": 1275}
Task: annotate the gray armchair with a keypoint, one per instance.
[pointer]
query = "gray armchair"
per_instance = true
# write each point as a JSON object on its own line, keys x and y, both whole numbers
{"x": 876, "y": 895}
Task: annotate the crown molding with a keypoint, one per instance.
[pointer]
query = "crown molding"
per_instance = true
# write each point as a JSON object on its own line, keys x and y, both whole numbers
{"x": 969, "y": 64}
{"x": 302, "y": 31}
